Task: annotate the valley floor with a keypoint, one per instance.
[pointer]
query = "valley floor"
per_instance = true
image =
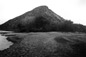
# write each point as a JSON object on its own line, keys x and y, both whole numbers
{"x": 45, "y": 44}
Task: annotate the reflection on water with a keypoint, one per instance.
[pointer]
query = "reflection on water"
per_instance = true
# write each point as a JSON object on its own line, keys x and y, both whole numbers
{"x": 4, "y": 43}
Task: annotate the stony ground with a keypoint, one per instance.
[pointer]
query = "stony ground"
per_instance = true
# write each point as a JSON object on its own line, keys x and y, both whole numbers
{"x": 45, "y": 44}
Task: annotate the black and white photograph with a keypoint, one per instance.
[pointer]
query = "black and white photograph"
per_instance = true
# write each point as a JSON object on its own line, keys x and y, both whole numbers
{"x": 42, "y": 28}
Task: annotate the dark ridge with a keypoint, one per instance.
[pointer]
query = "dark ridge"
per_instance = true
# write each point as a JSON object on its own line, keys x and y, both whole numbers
{"x": 41, "y": 19}
{"x": 45, "y": 17}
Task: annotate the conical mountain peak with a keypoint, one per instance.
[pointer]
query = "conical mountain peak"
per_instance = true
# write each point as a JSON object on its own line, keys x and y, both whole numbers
{"x": 41, "y": 7}
{"x": 40, "y": 10}
{"x": 37, "y": 19}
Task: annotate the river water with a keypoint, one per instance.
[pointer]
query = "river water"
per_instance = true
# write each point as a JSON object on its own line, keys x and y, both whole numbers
{"x": 4, "y": 44}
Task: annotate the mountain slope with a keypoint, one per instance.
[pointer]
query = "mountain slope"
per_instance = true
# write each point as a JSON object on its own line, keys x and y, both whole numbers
{"x": 39, "y": 19}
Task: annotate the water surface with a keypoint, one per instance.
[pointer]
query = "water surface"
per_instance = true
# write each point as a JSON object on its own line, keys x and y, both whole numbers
{"x": 4, "y": 44}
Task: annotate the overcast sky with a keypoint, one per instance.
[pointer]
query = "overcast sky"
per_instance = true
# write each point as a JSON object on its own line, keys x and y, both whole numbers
{"x": 74, "y": 10}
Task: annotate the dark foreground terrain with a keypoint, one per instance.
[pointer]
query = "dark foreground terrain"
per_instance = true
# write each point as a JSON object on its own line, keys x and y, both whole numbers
{"x": 45, "y": 44}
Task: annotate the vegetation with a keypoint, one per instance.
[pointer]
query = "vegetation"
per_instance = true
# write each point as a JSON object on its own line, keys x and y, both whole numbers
{"x": 44, "y": 42}
{"x": 69, "y": 26}
{"x": 41, "y": 19}
{"x": 41, "y": 24}
{"x": 50, "y": 44}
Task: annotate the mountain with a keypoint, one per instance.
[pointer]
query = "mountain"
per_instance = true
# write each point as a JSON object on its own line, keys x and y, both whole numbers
{"x": 39, "y": 19}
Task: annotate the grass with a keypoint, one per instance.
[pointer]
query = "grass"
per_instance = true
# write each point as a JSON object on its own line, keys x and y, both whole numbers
{"x": 46, "y": 44}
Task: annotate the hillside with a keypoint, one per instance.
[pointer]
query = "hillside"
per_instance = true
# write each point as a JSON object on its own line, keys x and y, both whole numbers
{"x": 39, "y": 19}
{"x": 45, "y": 44}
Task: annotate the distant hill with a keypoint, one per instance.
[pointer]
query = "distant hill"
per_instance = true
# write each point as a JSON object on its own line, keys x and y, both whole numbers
{"x": 41, "y": 19}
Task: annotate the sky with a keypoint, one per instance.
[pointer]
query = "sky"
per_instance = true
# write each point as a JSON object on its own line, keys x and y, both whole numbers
{"x": 74, "y": 10}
